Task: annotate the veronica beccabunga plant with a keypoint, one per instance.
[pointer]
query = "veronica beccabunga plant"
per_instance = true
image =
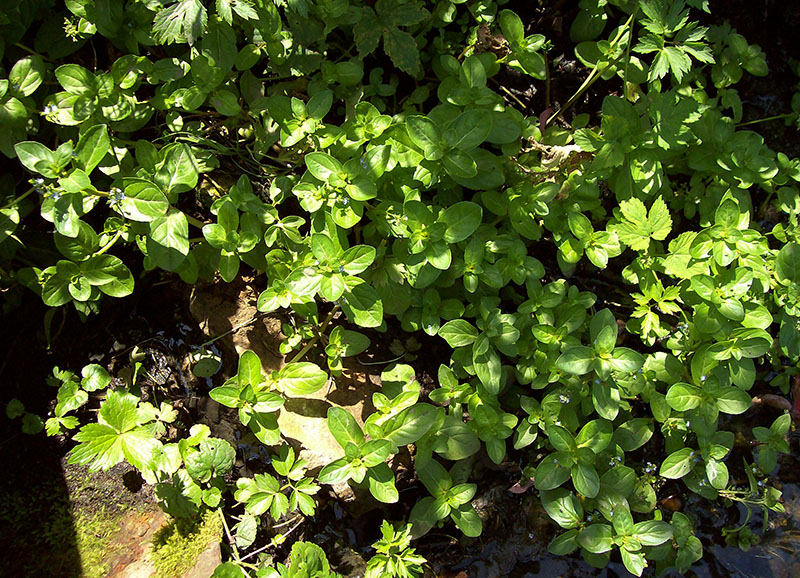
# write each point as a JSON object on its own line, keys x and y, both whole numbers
{"x": 602, "y": 286}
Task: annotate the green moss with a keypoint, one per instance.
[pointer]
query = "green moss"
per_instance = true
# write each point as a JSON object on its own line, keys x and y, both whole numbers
{"x": 95, "y": 538}
{"x": 38, "y": 529}
{"x": 177, "y": 546}
{"x": 48, "y": 531}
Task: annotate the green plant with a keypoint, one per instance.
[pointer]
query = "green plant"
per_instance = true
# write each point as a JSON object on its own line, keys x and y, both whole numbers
{"x": 306, "y": 560}
{"x": 449, "y": 498}
{"x": 393, "y": 557}
{"x": 606, "y": 283}
{"x": 773, "y": 440}
{"x": 31, "y": 423}
{"x": 264, "y": 492}
{"x": 364, "y": 460}
{"x": 258, "y": 397}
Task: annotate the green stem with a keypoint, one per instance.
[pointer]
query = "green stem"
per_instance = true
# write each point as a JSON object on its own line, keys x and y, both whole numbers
{"x": 546, "y": 81}
{"x": 763, "y": 206}
{"x": 195, "y": 222}
{"x": 313, "y": 341}
{"x": 298, "y": 520}
{"x": 767, "y": 119}
{"x": 508, "y": 92}
{"x": 111, "y": 243}
{"x": 30, "y": 51}
{"x": 231, "y": 541}
{"x": 594, "y": 75}
{"x": 398, "y": 358}
{"x": 19, "y": 199}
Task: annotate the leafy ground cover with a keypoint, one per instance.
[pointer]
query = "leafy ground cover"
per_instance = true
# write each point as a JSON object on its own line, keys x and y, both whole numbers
{"x": 582, "y": 289}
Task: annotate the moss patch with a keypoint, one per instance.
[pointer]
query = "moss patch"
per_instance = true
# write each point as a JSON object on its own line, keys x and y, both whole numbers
{"x": 95, "y": 536}
{"x": 177, "y": 546}
{"x": 50, "y": 529}
{"x": 38, "y": 532}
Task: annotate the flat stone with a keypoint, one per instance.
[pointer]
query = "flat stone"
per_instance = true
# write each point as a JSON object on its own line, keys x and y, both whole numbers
{"x": 219, "y": 308}
{"x": 137, "y": 530}
{"x": 207, "y": 561}
{"x": 223, "y": 307}
{"x": 303, "y": 421}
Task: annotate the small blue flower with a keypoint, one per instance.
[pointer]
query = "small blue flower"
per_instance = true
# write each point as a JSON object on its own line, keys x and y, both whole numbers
{"x": 117, "y": 195}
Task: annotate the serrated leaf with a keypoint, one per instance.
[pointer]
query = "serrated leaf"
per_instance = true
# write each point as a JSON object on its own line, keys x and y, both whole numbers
{"x": 639, "y": 227}
{"x": 182, "y": 21}
{"x": 214, "y": 457}
{"x": 116, "y": 436}
{"x": 367, "y": 33}
{"x": 257, "y": 493}
{"x": 246, "y": 531}
{"x": 95, "y": 377}
{"x": 402, "y": 49}
{"x": 659, "y": 222}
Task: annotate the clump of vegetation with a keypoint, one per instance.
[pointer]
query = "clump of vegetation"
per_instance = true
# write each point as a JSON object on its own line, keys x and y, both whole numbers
{"x": 76, "y": 537}
{"x": 609, "y": 286}
{"x": 177, "y": 545}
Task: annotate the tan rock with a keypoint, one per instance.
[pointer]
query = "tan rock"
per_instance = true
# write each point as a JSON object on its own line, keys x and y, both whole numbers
{"x": 207, "y": 561}
{"x": 303, "y": 420}
{"x": 223, "y": 308}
